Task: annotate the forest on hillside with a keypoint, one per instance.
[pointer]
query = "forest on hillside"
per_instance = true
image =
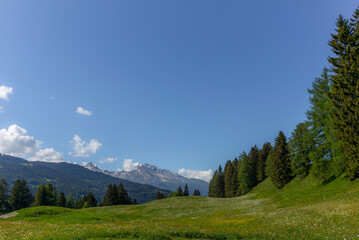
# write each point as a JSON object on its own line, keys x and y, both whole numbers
{"x": 326, "y": 144}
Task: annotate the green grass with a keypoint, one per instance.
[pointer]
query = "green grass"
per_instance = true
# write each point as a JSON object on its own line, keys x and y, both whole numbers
{"x": 304, "y": 209}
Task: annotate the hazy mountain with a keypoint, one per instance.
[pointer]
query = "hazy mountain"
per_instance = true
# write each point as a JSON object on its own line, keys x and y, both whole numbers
{"x": 68, "y": 177}
{"x": 152, "y": 175}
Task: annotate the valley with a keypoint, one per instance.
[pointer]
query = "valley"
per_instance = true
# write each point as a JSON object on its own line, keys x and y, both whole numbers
{"x": 303, "y": 209}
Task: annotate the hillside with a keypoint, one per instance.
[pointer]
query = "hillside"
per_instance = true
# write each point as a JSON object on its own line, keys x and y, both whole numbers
{"x": 152, "y": 175}
{"x": 69, "y": 178}
{"x": 304, "y": 209}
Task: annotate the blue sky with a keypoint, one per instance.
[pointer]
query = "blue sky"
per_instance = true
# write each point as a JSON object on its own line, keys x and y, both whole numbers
{"x": 177, "y": 84}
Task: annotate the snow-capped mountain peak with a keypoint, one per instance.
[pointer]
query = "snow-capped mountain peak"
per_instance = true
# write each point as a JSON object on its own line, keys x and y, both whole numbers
{"x": 93, "y": 167}
{"x": 152, "y": 175}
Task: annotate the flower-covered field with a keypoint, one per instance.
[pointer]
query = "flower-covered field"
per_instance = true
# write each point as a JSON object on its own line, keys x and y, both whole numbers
{"x": 305, "y": 209}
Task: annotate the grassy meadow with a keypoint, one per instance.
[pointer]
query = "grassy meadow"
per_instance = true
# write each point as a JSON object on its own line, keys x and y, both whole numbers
{"x": 303, "y": 209}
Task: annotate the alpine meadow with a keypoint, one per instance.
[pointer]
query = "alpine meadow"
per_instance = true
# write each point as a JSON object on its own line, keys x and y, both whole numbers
{"x": 189, "y": 87}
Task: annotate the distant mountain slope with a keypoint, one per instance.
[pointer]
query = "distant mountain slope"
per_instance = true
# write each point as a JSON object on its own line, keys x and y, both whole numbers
{"x": 69, "y": 177}
{"x": 161, "y": 178}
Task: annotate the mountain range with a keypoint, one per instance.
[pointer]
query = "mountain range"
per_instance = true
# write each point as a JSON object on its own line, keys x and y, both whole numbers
{"x": 152, "y": 175}
{"x": 70, "y": 178}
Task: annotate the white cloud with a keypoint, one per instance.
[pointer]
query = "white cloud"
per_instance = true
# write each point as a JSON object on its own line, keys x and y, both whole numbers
{"x": 108, "y": 160}
{"x": 5, "y": 91}
{"x": 1, "y": 109}
{"x": 83, "y": 149}
{"x": 83, "y": 163}
{"x": 16, "y": 141}
{"x": 128, "y": 165}
{"x": 47, "y": 155}
{"x": 82, "y": 111}
{"x": 198, "y": 174}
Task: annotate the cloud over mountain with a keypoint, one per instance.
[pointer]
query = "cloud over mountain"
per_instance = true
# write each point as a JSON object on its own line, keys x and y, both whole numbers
{"x": 197, "y": 174}
{"x": 83, "y": 149}
{"x": 17, "y": 142}
{"x": 108, "y": 160}
{"x": 128, "y": 165}
{"x": 47, "y": 155}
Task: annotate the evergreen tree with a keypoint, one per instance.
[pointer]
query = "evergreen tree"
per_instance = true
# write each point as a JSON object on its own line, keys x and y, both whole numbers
{"x": 116, "y": 194}
{"x": 78, "y": 203}
{"x": 327, "y": 154}
{"x": 235, "y": 182}
{"x": 4, "y": 197}
{"x": 173, "y": 194}
{"x": 228, "y": 179}
{"x": 246, "y": 178}
{"x": 61, "y": 200}
{"x": 41, "y": 196}
{"x": 123, "y": 195}
{"x": 253, "y": 156}
{"x": 269, "y": 163}
{"x": 159, "y": 195}
{"x": 110, "y": 196}
{"x": 300, "y": 145}
{"x": 196, "y": 193}
{"x": 211, "y": 189}
{"x": 280, "y": 168}
{"x": 344, "y": 89}
{"x": 262, "y": 161}
{"x": 179, "y": 191}
{"x": 20, "y": 195}
{"x": 70, "y": 201}
{"x": 185, "y": 191}
{"x": 51, "y": 194}
{"x": 219, "y": 184}
{"x": 88, "y": 200}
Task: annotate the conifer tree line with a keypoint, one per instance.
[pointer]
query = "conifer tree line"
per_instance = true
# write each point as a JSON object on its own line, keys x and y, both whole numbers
{"x": 117, "y": 196}
{"x": 326, "y": 144}
{"x": 20, "y": 197}
{"x": 242, "y": 174}
{"x": 184, "y": 193}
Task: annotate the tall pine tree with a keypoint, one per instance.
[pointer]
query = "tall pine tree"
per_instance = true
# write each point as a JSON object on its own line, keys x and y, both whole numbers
{"x": 235, "y": 183}
{"x": 179, "y": 191}
{"x": 20, "y": 195}
{"x": 51, "y": 195}
{"x": 280, "y": 167}
{"x": 185, "y": 191}
{"x": 41, "y": 196}
{"x": 246, "y": 177}
{"x": 327, "y": 154}
{"x": 300, "y": 145}
{"x": 4, "y": 197}
{"x": 344, "y": 89}
{"x": 253, "y": 156}
{"x": 212, "y": 183}
{"x": 70, "y": 203}
{"x": 123, "y": 195}
{"x": 228, "y": 179}
{"x": 216, "y": 185}
{"x": 61, "y": 200}
{"x": 111, "y": 196}
{"x": 219, "y": 184}
{"x": 262, "y": 161}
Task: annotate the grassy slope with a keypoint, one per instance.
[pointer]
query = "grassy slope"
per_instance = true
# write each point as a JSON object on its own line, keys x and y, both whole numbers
{"x": 302, "y": 209}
